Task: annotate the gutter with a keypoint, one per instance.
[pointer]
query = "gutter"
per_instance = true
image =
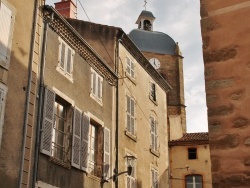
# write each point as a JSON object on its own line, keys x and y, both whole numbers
{"x": 32, "y": 44}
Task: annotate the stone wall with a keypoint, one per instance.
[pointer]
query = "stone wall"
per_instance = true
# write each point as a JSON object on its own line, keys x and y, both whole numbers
{"x": 225, "y": 33}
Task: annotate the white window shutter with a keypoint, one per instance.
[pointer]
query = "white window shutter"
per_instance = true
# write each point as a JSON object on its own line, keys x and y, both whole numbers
{"x": 1, "y": 103}
{"x": 76, "y": 143}
{"x": 94, "y": 83}
{"x": 48, "y": 121}
{"x": 132, "y": 116}
{"x": 106, "y": 160}
{"x": 69, "y": 56}
{"x": 62, "y": 55}
{"x": 98, "y": 87}
{"x": 85, "y": 142}
{"x": 6, "y": 17}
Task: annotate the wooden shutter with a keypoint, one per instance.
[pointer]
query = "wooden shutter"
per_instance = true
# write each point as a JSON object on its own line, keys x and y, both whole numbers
{"x": 85, "y": 142}
{"x": 62, "y": 62}
{"x": 132, "y": 69}
{"x": 106, "y": 149}
{"x": 5, "y": 31}
{"x": 48, "y": 121}
{"x": 98, "y": 87}
{"x": 76, "y": 143}
{"x": 132, "y": 116}
{"x": 69, "y": 56}
{"x": 128, "y": 114}
{"x": 94, "y": 83}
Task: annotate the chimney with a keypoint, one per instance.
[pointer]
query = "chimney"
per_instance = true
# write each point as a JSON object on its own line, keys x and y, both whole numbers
{"x": 66, "y": 8}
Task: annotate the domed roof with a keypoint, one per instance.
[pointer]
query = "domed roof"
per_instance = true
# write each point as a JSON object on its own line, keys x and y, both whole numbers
{"x": 153, "y": 41}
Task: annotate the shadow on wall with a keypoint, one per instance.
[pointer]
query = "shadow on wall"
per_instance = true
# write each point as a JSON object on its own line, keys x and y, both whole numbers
{"x": 12, "y": 127}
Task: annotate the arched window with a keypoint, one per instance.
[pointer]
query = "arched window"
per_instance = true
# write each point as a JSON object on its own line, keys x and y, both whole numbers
{"x": 193, "y": 181}
{"x": 147, "y": 25}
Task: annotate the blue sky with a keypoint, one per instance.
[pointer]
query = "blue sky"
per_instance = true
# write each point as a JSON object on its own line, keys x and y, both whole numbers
{"x": 180, "y": 19}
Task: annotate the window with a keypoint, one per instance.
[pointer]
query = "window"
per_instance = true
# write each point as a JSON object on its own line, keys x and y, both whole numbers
{"x": 131, "y": 179}
{"x": 6, "y": 30}
{"x": 154, "y": 136}
{"x": 3, "y": 91}
{"x": 152, "y": 91}
{"x": 65, "y": 65}
{"x": 192, "y": 153}
{"x": 130, "y": 115}
{"x": 154, "y": 178}
{"x": 193, "y": 181}
{"x": 96, "y": 86}
{"x": 130, "y": 67}
{"x": 90, "y": 147}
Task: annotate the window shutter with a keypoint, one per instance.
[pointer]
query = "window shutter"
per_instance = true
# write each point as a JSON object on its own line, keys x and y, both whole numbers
{"x": 5, "y": 30}
{"x": 85, "y": 142}
{"x": 62, "y": 55}
{"x": 48, "y": 121}
{"x": 106, "y": 145}
{"x": 76, "y": 144}
{"x": 94, "y": 83}
{"x": 132, "y": 69}
{"x": 69, "y": 61}
{"x": 98, "y": 87}
{"x": 156, "y": 179}
{"x": 132, "y": 116}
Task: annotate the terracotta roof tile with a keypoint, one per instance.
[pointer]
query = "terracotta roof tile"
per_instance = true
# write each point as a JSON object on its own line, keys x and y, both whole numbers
{"x": 194, "y": 137}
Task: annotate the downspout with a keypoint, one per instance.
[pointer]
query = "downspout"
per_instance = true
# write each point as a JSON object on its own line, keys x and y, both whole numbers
{"x": 117, "y": 110}
{"x": 32, "y": 44}
{"x": 40, "y": 103}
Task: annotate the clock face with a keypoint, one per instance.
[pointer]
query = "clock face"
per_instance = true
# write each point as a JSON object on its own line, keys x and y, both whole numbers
{"x": 155, "y": 63}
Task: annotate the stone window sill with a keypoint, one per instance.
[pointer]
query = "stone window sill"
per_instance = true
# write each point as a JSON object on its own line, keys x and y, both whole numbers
{"x": 131, "y": 136}
{"x": 156, "y": 153}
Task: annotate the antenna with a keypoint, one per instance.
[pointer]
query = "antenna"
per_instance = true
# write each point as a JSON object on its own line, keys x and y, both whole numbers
{"x": 145, "y": 5}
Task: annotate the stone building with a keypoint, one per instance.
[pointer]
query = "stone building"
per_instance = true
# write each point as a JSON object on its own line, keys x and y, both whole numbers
{"x": 190, "y": 164}
{"x": 165, "y": 56}
{"x": 225, "y": 33}
{"x": 78, "y": 110}
{"x": 20, "y": 38}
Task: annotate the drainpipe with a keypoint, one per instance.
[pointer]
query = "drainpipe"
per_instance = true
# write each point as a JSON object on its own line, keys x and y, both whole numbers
{"x": 32, "y": 43}
{"x": 40, "y": 103}
{"x": 117, "y": 111}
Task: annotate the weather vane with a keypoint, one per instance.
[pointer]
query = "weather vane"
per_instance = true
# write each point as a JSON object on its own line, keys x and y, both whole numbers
{"x": 145, "y": 5}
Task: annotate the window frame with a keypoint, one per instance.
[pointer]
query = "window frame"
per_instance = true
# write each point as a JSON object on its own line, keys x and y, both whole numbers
{"x": 154, "y": 134}
{"x": 130, "y": 117}
{"x": 96, "y": 86}
{"x": 130, "y": 68}
{"x": 66, "y": 68}
{"x": 154, "y": 177}
{"x": 152, "y": 92}
{"x": 5, "y": 62}
{"x": 192, "y": 153}
{"x": 194, "y": 181}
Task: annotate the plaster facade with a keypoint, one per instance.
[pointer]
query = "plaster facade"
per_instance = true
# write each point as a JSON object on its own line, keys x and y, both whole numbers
{"x": 139, "y": 143}
{"x": 182, "y": 166}
{"x": 225, "y": 34}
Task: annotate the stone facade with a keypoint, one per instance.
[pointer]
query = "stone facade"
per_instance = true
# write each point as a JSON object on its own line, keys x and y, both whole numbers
{"x": 225, "y": 34}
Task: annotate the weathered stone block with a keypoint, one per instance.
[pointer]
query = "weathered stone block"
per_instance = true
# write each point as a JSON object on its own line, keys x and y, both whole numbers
{"x": 209, "y": 71}
{"x": 207, "y": 24}
{"x": 225, "y": 142}
{"x": 211, "y": 98}
{"x": 215, "y": 164}
{"x": 220, "y": 111}
{"x": 240, "y": 122}
{"x": 214, "y": 127}
{"x": 222, "y": 54}
{"x": 247, "y": 141}
{"x": 237, "y": 95}
{"x": 219, "y": 84}
{"x": 247, "y": 162}
{"x": 205, "y": 42}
